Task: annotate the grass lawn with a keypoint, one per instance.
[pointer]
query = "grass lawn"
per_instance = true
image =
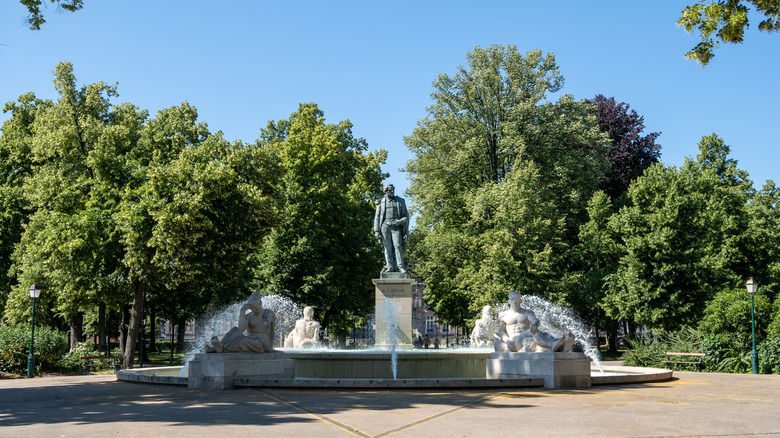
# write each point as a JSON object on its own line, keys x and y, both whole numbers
{"x": 606, "y": 355}
{"x": 163, "y": 359}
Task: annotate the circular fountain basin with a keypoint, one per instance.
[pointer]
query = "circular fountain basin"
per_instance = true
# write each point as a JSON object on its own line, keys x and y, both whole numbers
{"x": 413, "y": 369}
{"x": 615, "y": 375}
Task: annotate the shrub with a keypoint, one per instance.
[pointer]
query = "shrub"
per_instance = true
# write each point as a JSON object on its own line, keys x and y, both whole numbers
{"x": 773, "y": 331}
{"x": 72, "y": 362}
{"x": 652, "y": 352}
{"x": 687, "y": 340}
{"x": 769, "y": 356}
{"x": 724, "y": 356}
{"x": 50, "y": 345}
{"x": 728, "y": 318}
{"x": 644, "y": 353}
{"x": 14, "y": 348}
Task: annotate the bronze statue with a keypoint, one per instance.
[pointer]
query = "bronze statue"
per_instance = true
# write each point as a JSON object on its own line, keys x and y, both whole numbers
{"x": 391, "y": 227}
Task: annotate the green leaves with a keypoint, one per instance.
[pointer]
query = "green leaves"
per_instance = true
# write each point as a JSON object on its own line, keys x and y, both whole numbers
{"x": 727, "y": 19}
{"x": 681, "y": 237}
{"x": 102, "y": 204}
{"x": 325, "y": 244}
{"x": 35, "y": 18}
{"x": 500, "y": 179}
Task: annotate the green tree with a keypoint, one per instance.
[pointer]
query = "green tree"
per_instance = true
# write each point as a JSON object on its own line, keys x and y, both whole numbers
{"x": 324, "y": 253}
{"x": 727, "y": 20}
{"x": 116, "y": 206}
{"x": 596, "y": 258}
{"x": 500, "y": 178}
{"x": 727, "y": 328}
{"x": 35, "y": 18}
{"x": 67, "y": 246}
{"x": 195, "y": 208}
{"x": 762, "y": 246}
{"x": 16, "y": 167}
{"x": 629, "y": 153}
{"x": 682, "y": 236}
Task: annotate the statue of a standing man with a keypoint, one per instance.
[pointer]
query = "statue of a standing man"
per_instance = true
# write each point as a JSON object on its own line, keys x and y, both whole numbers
{"x": 391, "y": 227}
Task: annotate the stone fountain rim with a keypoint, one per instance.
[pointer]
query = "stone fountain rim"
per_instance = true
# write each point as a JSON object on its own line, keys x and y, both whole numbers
{"x": 630, "y": 375}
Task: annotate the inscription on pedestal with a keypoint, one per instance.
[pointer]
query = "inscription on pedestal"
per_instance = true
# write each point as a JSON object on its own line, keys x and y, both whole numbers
{"x": 399, "y": 292}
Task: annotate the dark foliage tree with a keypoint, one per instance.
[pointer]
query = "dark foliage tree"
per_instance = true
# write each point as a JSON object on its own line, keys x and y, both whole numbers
{"x": 630, "y": 153}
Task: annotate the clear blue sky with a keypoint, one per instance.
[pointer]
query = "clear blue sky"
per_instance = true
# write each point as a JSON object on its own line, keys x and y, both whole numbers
{"x": 243, "y": 63}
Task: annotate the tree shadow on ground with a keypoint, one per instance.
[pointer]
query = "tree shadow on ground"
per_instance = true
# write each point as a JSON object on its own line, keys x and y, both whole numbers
{"x": 116, "y": 401}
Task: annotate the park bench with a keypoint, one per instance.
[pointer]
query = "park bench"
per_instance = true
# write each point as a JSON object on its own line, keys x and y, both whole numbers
{"x": 100, "y": 362}
{"x": 676, "y": 358}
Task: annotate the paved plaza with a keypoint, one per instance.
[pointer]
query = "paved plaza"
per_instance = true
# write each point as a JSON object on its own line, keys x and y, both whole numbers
{"x": 690, "y": 405}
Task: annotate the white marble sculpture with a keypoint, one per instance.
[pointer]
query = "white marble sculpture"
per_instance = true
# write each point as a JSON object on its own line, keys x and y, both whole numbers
{"x": 485, "y": 329}
{"x": 306, "y": 333}
{"x": 518, "y": 331}
{"x": 254, "y": 333}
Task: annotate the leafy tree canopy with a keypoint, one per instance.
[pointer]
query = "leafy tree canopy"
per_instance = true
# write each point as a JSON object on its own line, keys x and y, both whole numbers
{"x": 725, "y": 21}
{"x": 107, "y": 205}
{"x": 35, "y": 18}
{"x": 324, "y": 253}
{"x": 682, "y": 237}
{"x": 728, "y": 315}
{"x": 629, "y": 153}
{"x": 500, "y": 179}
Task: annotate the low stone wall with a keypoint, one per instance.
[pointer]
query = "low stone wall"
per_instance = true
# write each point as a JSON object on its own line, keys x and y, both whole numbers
{"x": 618, "y": 375}
{"x": 559, "y": 370}
{"x": 219, "y": 370}
{"x": 157, "y": 375}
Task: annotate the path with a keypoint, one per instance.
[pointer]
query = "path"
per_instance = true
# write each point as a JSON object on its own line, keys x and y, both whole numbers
{"x": 693, "y": 404}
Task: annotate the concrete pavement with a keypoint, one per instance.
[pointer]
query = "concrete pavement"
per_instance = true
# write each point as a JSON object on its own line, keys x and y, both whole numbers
{"x": 692, "y": 404}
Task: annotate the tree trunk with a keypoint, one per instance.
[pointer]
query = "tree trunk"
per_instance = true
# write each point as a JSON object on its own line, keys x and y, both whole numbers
{"x": 631, "y": 328}
{"x": 180, "y": 335}
{"x": 76, "y": 329}
{"x": 172, "y": 341}
{"x": 142, "y": 353}
{"x": 123, "y": 324}
{"x": 136, "y": 314}
{"x": 101, "y": 325}
{"x": 612, "y": 335}
{"x": 152, "y": 329}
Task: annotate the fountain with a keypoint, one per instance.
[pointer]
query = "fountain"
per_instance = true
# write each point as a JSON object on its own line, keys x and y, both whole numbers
{"x": 558, "y": 320}
{"x": 392, "y": 368}
{"x": 394, "y": 363}
{"x": 388, "y": 313}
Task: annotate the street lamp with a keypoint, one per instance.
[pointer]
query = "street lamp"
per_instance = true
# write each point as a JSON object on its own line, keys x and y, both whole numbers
{"x": 35, "y": 292}
{"x": 752, "y": 288}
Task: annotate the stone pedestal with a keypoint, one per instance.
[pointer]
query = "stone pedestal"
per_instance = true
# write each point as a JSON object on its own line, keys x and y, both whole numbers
{"x": 559, "y": 370}
{"x": 215, "y": 371}
{"x": 396, "y": 288}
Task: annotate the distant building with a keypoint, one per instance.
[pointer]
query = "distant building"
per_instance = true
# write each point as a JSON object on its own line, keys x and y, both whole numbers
{"x": 424, "y": 322}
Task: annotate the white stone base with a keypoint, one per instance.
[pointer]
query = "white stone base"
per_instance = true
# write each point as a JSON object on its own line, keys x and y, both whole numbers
{"x": 397, "y": 288}
{"x": 215, "y": 371}
{"x": 559, "y": 370}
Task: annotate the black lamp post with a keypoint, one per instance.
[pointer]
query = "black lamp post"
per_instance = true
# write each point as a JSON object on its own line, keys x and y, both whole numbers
{"x": 35, "y": 292}
{"x": 752, "y": 288}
